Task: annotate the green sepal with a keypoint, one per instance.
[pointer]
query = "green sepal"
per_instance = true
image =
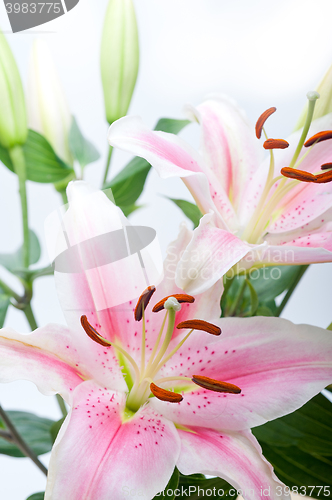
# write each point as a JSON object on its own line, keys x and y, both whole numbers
{"x": 81, "y": 148}
{"x": 34, "y": 430}
{"x": 42, "y": 163}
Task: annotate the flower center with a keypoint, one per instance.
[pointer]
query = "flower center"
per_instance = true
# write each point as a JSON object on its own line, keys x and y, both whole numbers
{"x": 146, "y": 384}
{"x": 267, "y": 208}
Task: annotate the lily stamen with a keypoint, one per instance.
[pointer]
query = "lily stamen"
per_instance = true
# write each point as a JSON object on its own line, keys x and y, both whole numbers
{"x": 326, "y": 166}
{"x": 198, "y": 324}
{"x": 143, "y": 302}
{"x": 165, "y": 395}
{"x": 319, "y": 137}
{"x": 303, "y": 176}
{"x": 275, "y": 144}
{"x": 215, "y": 385}
{"x": 180, "y": 297}
{"x": 261, "y": 121}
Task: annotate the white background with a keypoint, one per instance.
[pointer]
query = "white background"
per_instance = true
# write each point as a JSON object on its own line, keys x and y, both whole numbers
{"x": 261, "y": 52}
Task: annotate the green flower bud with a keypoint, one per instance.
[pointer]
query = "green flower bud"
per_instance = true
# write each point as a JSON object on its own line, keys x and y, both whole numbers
{"x": 13, "y": 119}
{"x": 119, "y": 57}
{"x": 324, "y": 104}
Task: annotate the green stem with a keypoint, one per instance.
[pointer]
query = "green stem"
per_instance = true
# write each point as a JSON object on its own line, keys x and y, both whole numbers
{"x": 301, "y": 272}
{"x": 64, "y": 196}
{"x": 30, "y": 317}
{"x": 238, "y": 299}
{"x": 19, "y": 441}
{"x": 17, "y": 157}
{"x": 62, "y": 405}
{"x": 9, "y": 291}
{"x": 311, "y": 108}
{"x": 108, "y": 163}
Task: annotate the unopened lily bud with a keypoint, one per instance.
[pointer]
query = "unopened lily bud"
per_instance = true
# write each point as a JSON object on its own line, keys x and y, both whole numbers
{"x": 324, "y": 104}
{"x": 13, "y": 119}
{"x": 119, "y": 58}
{"x": 48, "y": 112}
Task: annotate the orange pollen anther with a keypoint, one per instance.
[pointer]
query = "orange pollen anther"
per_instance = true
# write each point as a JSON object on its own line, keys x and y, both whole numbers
{"x": 261, "y": 121}
{"x": 143, "y": 302}
{"x": 215, "y": 385}
{"x": 92, "y": 333}
{"x": 321, "y": 136}
{"x": 326, "y": 166}
{"x": 180, "y": 297}
{"x": 275, "y": 144}
{"x": 302, "y": 175}
{"x": 164, "y": 395}
{"x": 198, "y": 324}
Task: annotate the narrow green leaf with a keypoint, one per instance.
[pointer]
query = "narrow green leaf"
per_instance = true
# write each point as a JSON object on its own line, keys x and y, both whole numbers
{"x": 34, "y": 430}
{"x": 82, "y": 149}
{"x": 308, "y": 428}
{"x": 4, "y": 304}
{"x": 127, "y": 185}
{"x": 37, "y": 496}
{"x": 42, "y": 164}
{"x": 171, "y": 486}
{"x": 329, "y": 327}
{"x": 309, "y": 473}
{"x": 14, "y": 261}
{"x": 189, "y": 209}
{"x": 254, "y": 299}
{"x": 170, "y": 125}
{"x": 129, "y": 210}
{"x": 54, "y": 429}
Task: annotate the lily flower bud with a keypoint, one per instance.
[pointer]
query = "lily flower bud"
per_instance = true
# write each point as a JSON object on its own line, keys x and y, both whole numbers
{"x": 119, "y": 58}
{"x": 48, "y": 112}
{"x": 13, "y": 120}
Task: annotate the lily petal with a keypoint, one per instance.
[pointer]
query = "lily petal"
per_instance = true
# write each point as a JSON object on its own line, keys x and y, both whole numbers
{"x": 233, "y": 456}
{"x": 279, "y": 366}
{"x": 96, "y": 449}
{"x": 209, "y": 255}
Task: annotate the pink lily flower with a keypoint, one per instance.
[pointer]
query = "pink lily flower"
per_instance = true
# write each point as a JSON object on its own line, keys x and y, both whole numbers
{"x": 149, "y": 391}
{"x": 252, "y": 215}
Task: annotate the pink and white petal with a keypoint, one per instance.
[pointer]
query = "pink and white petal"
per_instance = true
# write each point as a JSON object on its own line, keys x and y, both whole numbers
{"x": 47, "y": 357}
{"x": 233, "y": 456}
{"x": 229, "y": 145}
{"x": 279, "y": 366}
{"x": 97, "y": 456}
{"x": 171, "y": 157}
{"x": 209, "y": 255}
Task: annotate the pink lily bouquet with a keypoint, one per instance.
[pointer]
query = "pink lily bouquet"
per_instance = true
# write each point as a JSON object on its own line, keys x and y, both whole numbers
{"x": 176, "y": 378}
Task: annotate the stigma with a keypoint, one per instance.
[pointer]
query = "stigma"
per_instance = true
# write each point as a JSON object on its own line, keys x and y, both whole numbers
{"x": 146, "y": 382}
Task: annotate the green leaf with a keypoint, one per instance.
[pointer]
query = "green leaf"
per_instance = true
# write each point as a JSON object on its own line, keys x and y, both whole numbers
{"x": 171, "y": 125}
{"x": 127, "y": 185}
{"x": 129, "y": 210}
{"x": 270, "y": 282}
{"x": 42, "y": 163}
{"x": 34, "y": 430}
{"x": 308, "y": 428}
{"x": 4, "y": 304}
{"x": 37, "y": 496}
{"x": 189, "y": 209}
{"x": 171, "y": 486}
{"x": 14, "y": 261}
{"x": 82, "y": 149}
{"x": 299, "y": 469}
{"x": 196, "y": 481}
{"x": 54, "y": 430}
{"x": 254, "y": 299}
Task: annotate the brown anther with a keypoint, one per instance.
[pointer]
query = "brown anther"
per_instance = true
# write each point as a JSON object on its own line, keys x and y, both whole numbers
{"x": 326, "y": 166}
{"x": 324, "y": 177}
{"x": 198, "y": 324}
{"x": 143, "y": 302}
{"x": 261, "y": 121}
{"x": 300, "y": 175}
{"x": 275, "y": 144}
{"x": 321, "y": 136}
{"x": 180, "y": 297}
{"x": 215, "y": 385}
{"x": 92, "y": 333}
{"x": 164, "y": 395}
